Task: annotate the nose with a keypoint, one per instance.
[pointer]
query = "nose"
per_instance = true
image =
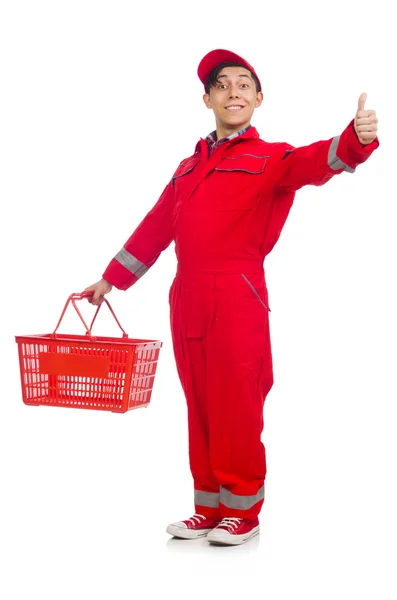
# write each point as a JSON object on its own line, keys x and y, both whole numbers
{"x": 233, "y": 91}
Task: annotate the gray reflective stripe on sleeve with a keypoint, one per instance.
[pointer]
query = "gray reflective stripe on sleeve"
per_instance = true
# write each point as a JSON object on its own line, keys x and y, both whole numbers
{"x": 131, "y": 263}
{"x": 240, "y": 502}
{"x": 209, "y": 499}
{"x": 333, "y": 161}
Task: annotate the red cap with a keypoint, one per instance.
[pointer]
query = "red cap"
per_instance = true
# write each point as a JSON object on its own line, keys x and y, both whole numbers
{"x": 215, "y": 58}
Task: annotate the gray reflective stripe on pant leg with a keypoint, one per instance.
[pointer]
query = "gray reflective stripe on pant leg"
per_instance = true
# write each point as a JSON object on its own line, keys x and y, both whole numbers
{"x": 240, "y": 502}
{"x": 209, "y": 499}
{"x": 333, "y": 161}
{"x": 135, "y": 266}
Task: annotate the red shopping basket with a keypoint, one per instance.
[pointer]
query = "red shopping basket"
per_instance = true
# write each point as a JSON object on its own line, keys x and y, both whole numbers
{"x": 86, "y": 371}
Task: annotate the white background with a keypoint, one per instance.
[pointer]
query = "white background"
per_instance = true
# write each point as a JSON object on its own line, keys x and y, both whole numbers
{"x": 99, "y": 103}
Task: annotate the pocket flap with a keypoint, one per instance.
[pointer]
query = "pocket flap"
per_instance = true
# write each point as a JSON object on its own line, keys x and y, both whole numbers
{"x": 248, "y": 163}
{"x": 185, "y": 167}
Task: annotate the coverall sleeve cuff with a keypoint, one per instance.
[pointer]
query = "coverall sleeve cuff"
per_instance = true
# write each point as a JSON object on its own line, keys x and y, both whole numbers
{"x": 119, "y": 276}
{"x": 351, "y": 150}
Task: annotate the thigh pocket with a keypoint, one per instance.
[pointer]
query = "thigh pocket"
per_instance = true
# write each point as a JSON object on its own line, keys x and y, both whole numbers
{"x": 263, "y": 300}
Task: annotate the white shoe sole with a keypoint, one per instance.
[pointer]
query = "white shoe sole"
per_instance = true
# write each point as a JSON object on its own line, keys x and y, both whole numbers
{"x": 187, "y": 534}
{"x": 224, "y": 538}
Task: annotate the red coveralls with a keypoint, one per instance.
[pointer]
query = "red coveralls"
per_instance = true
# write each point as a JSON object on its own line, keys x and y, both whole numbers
{"x": 225, "y": 213}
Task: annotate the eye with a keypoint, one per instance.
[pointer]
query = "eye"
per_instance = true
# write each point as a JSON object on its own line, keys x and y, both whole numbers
{"x": 245, "y": 85}
{"x": 222, "y": 86}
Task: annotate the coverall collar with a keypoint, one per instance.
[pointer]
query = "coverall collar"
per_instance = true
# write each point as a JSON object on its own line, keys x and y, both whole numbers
{"x": 248, "y": 133}
{"x": 213, "y": 142}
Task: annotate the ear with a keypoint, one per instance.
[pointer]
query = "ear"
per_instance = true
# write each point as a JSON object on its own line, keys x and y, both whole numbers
{"x": 259, "y": 99}
{"x": 207, "y": 100}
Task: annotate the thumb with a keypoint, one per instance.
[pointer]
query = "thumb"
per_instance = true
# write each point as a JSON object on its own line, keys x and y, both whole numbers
{"x": 361, "y": 101}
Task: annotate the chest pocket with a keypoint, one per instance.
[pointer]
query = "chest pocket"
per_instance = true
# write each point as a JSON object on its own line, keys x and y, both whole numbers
{"x": 238, "y": 179}
{"x": 184, "y": 168}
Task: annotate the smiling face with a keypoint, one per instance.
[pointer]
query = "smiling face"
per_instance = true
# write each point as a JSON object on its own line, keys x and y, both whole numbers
{"x": 233, "y": 99}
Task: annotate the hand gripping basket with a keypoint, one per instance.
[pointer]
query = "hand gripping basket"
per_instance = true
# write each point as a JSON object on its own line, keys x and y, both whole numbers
{"x": 86, "y": 371}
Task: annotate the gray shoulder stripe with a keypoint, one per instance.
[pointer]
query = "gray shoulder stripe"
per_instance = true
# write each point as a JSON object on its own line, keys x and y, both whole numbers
{"x": 286, "y": 154}
{"x": 333, "y": 161}
{"x": 135, "y": 266}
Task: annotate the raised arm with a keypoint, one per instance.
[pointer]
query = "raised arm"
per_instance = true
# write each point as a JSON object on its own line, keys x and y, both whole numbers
{"x": 316, "y": 163}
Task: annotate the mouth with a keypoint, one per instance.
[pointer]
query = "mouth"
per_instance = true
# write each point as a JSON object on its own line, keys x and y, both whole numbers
{"x": 235, "y": 107}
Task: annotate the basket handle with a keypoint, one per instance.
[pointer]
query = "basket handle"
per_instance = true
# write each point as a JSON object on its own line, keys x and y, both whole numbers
{"x": 72, "y": 299}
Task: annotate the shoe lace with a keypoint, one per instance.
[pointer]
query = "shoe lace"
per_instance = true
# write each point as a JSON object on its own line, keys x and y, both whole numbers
{"x": 196, "y": 518}
{"x": 231, "y": 523}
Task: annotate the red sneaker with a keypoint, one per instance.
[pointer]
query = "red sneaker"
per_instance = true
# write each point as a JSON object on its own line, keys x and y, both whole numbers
{"x": 195, "y": 527}
{"x": 232, "y": 531}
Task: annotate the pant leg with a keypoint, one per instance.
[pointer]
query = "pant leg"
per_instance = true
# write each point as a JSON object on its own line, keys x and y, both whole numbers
{"x": 190, "y": 355}
{"x": 240, "y": 375}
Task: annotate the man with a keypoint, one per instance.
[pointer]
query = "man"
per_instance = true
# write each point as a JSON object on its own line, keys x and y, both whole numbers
{"x": 225, "y": 207}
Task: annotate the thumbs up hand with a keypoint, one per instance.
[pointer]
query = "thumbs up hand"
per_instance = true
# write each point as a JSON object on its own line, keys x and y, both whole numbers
{"x": 365, "y": 122}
